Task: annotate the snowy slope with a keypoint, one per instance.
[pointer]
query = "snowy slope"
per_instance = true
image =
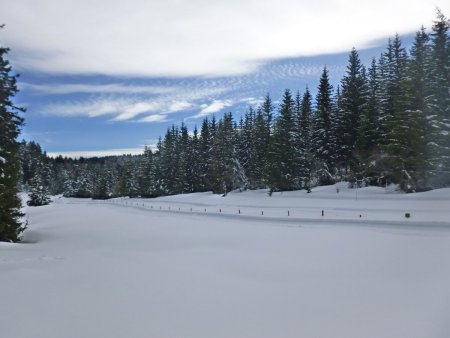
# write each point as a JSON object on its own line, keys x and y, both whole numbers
{"x": 109, "y": 269}
{"x": 370, "y": 205}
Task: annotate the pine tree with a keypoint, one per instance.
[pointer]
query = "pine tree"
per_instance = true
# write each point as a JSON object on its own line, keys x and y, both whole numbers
{"x": 261, "y": 136}
{"x": 195, "y": 163}
{"x": 352, "y": 103}
{"x": 322, "y": 133}
{"x": 417, "y": 93}
{"x": 263, "y": 132}
{"x": 246, "y": 150}
{"x": 11, "y": 226}
{"x": 228, "y": 163}
{"x": 157, "y": 165}
{"x": 38, "y": 194}
{"x": 267, "y": 110}
{"x": 204, "y": 156}
{"x": 304, "y": 125}
{"x": 282, "y": 157}
{"x": 369, "y": 121}
{"x": 439, "y": 110}
{"x": 183, "y": 182}
{"x": 102, "y": 183}
{"x": 395, "y": 122}
{"x": 169, "y": 157}
{"x": 80, "y": 183}
{"x": 214, "y": 179}
{"x": 369, "y": 130}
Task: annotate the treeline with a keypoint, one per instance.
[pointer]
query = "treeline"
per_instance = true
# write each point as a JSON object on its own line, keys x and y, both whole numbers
{"x": 388, "y": 123}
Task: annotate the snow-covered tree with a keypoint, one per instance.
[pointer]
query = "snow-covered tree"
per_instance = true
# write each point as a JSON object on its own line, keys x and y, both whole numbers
{"x": 11, "y": 226}
{"x": 439, "y": 110}
{"x": 322, "y": 138}
{"x": 282, "y": 165}
{"x": 38, "y": 192}
{"x": 305, "y": 128}
{"x": 352, "y": 103}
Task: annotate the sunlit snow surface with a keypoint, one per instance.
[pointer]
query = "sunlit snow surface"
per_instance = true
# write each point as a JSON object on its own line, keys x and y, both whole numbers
{"x": 133, "y": 268}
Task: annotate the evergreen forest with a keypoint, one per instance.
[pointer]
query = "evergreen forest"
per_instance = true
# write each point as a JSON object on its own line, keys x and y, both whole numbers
{"x": 387, "y": 122}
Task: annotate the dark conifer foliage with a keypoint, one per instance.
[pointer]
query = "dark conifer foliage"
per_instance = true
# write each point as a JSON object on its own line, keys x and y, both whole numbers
{"x": 282, "y": 148}
{"x": 352, "y": 104}
{"x": 323, "y": 138}
{"x": 306, "y": 160}
{"x": 439, "y": 104}
{"x": 11, "y": 226}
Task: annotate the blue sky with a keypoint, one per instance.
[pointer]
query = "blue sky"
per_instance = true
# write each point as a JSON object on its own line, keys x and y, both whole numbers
{"x": 103, "y": 78}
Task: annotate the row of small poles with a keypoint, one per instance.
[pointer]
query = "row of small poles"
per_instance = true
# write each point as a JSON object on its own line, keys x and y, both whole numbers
{"x": 407, "y": 215}
{"x": 205, "y": 210}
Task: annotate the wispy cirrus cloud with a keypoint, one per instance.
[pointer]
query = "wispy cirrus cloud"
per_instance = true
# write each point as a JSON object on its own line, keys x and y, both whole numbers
{"x": 154, "y": 118}
{"x": 179, "y": 106}
{"x": 89, "y": 108}
{"x": 119, "y": 109}
{"x": 112, "y": 88}
{"x": 132, "y": 110}
{"x": 211, "y": 108}
{"x": 131, "y": 103}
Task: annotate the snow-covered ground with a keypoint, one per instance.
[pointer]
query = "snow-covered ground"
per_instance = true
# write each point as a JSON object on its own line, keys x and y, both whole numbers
{"x": 134, "y": 268}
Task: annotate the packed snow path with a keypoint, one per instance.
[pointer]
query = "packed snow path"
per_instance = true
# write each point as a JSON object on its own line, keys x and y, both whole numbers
{"x": 90, "y": 269}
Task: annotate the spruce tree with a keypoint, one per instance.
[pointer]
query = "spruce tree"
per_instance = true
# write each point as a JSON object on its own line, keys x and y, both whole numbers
{"x": 307, "y": 160}
{"x": 352, "y": 103}
{"x": 214, "y": 179}
{"x": 227, "y": 160}
{"x": 146, "y": 176}
{"x": 11, "y": 226}
{"x": 369, "y": 129}
{"x": 261, "y": 137}
{"x": 267, "y": 110}
{"x": 439, "y": 112}
{"x": 417, "y": 90}
{"x": 282, "y": 144}
{"x": 264, "y": 135}
{"x": 101, "y": 185}
{"x": 322, "y": 133}
{"x": 195, "y": 161}
{"x": 246, "y": 148}
{"x": 38, "y": 194}
{"x": 395, "y": 123}
{"x": 204, "y": 156}
{"x": 183, "y": 181}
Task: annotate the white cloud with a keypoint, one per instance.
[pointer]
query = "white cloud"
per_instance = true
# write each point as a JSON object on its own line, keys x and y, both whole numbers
{"x": 179, "y": 105}
{"x": 90, "y": 108}
{"x": 98, "y": 153}
{"x": 126, "y": 107}
{"x": 154, "y": 118}
{"x": 113, "y": 88}
{"x": 213, "y": 107}
{"x": 122, "y": 109}
{"x": 195, "y": 37}
{"x": 253, "y": 101}
{"x": 136, "y": 109}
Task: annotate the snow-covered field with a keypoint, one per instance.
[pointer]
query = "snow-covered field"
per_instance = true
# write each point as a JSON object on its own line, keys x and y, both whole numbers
{"x": 241, "y": 269}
